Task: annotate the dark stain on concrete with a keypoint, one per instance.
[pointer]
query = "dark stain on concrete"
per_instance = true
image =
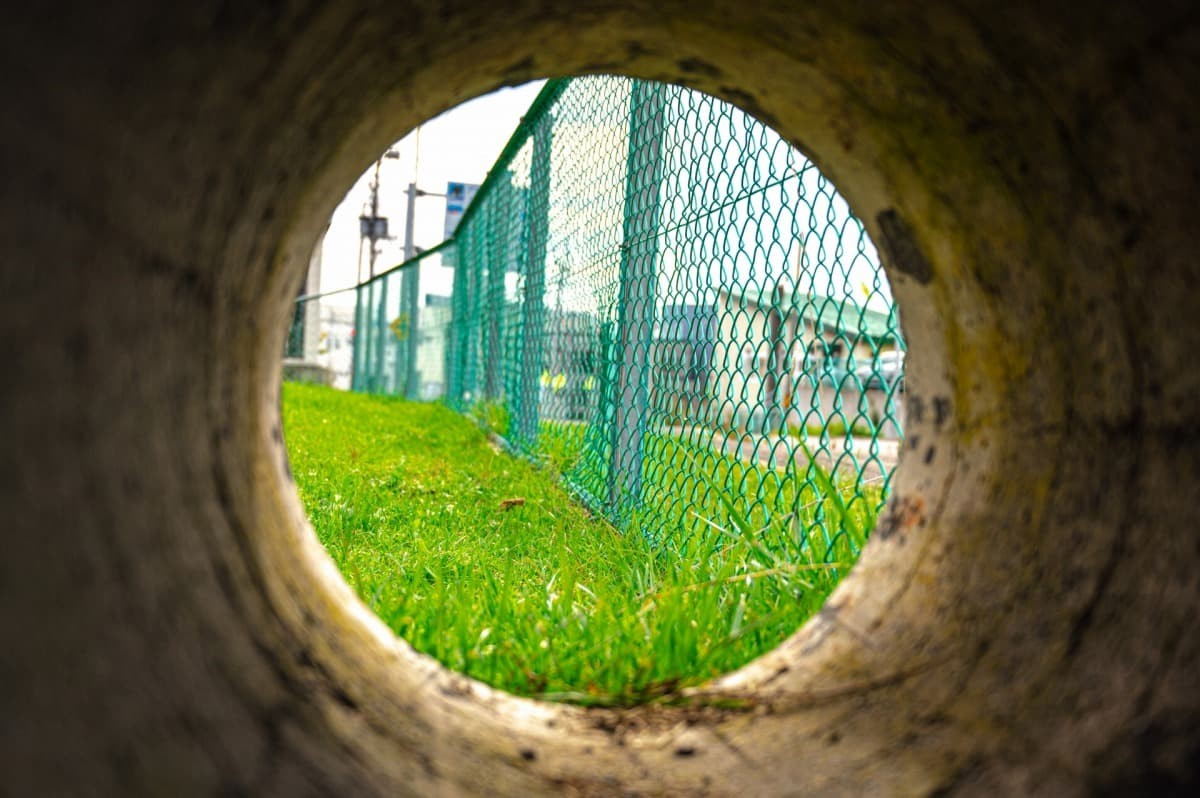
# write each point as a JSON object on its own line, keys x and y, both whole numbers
{"x": 748, "y": 103}
{"x": 635, "y": 49}
{"x": 519, "y": 69}
{"x": 600, "y": 67}
{"x": 900, "y": 247}
{"x": 901, "y": 515}
{"x": 916, "y": 409}
{"x": 942, "y": 410}
{"x": 698, "y": 66}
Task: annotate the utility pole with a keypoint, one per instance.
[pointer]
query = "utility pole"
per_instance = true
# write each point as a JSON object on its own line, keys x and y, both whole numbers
{"x": 630, "y": 365}
{"x": 374, "y": 228}
{"x": 375, "y": 233}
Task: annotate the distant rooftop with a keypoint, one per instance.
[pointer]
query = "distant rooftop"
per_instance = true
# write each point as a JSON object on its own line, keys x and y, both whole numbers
{"x": 828, "y": 312}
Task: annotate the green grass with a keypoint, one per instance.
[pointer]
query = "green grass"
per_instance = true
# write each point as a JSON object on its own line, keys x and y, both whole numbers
{"x": 540, "y": 597}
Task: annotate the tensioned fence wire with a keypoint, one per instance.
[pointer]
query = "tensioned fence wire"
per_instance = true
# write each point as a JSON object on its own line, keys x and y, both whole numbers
{"x": 660, "y": 298}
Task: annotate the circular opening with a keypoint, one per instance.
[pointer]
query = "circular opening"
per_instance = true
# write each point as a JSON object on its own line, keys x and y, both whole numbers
{"x": 687, "y": 366}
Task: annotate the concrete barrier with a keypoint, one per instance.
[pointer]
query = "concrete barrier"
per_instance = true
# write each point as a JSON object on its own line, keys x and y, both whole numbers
{"x": 295, "y": 370}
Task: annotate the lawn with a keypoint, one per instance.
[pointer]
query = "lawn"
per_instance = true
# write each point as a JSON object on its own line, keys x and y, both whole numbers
{"x": 483, "y": 561}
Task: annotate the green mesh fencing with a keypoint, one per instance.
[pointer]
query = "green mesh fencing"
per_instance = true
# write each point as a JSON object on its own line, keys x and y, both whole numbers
{"x": 402, "y": 329}
{"x": 659, "y": 297}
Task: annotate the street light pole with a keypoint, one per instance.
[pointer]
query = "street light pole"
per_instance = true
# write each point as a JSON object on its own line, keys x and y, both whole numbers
{"x": 409, "y": 247}
{"x": 374, "y": 227}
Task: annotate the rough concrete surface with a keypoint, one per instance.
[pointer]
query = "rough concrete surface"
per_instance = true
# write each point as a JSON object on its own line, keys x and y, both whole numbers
{"x": 1024, "y": 620}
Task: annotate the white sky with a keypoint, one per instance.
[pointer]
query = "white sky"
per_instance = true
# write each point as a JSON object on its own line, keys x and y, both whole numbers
{"x": 458, "y": 146}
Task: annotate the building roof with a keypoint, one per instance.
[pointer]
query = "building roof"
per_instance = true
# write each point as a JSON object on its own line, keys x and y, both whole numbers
{"x": 830, "y": 313}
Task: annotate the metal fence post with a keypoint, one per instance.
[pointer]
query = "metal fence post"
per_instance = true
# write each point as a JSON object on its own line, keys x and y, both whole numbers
{"x": 773, "y": 421}
{"x": 637, "y": 289}
{"x": 359, "y": 353}
{"x": 456, "y": 348}
{"x": 370, "y": 339}
{"x": 499, "y": 217}
{"x": 470, "y": 286}
{"x": 533, "y": 313}
{"x": 410, "y": 306}
{"x": 381, "y": 324}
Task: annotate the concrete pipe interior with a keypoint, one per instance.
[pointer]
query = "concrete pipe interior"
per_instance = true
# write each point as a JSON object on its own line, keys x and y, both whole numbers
{"x": 1024, "y": 617}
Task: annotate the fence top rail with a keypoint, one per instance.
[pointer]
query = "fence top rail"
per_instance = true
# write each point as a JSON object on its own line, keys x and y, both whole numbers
{"x": 323, "y": 294}
{"x": 413, "y": 261}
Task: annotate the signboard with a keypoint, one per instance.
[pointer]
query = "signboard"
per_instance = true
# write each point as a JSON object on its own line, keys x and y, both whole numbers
{"x": 458, "y": 197}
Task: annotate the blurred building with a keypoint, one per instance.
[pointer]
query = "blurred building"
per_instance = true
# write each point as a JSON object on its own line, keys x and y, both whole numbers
{"x": 789, "y": 358}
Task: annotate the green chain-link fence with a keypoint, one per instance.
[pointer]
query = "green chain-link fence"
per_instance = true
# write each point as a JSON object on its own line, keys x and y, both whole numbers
{"x": 661, "y": 298}
{"x": 402, "y": 330}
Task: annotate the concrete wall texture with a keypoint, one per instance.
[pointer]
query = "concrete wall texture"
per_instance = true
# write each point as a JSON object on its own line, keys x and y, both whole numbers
{"x": 1024, "y": 618}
